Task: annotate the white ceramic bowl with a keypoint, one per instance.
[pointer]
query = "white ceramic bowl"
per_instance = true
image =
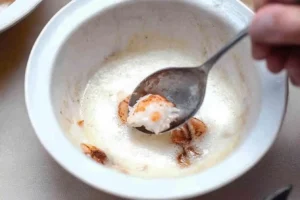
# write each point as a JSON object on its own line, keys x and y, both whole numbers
{"x": 16, "y": 11}
{"x": 83, "y": 33}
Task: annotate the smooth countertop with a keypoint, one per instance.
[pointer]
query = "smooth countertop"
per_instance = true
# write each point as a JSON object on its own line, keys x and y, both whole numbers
{"x": 27, "y": 172}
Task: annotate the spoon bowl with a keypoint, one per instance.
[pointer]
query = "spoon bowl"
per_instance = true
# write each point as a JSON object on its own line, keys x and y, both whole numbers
{"x": 184, "y": 86}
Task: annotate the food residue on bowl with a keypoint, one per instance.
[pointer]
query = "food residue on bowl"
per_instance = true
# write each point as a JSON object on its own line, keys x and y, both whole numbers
{"x": 100, "y": 156}
{"x": 95, "y": 153}
{"x": 80, "y": 123}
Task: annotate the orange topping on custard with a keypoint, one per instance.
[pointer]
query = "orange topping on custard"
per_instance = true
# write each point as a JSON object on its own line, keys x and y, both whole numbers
{"x": 155, "y": 116}
{"x": 142, "y": 105}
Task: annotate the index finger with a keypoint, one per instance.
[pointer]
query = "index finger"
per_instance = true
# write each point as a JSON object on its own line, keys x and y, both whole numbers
{"x": 276, "y": 25}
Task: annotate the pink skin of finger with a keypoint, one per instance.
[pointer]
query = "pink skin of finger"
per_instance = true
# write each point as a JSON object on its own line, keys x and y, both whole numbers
{"x": 275, "y": 34}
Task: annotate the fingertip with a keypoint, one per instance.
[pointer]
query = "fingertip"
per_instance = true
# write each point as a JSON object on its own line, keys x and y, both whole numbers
{"x": 294, "y": 79}
{"x": 293, "y": 67}
{"x": 277, "y": 59}
{"x": 260, "y": 51}
{"x": 275, "y": 64}
{"x": 293, "y": 62}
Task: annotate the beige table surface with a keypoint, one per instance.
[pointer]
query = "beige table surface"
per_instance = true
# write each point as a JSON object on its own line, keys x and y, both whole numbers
{"x": 27, "y": 172}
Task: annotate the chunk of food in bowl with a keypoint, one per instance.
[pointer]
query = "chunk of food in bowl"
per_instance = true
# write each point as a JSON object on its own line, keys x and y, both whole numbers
{"x": 100, "y": 156}
{"x": 183, "y": 135}
{"x": 154, "y": 112}
{"x": 94, "y": 152}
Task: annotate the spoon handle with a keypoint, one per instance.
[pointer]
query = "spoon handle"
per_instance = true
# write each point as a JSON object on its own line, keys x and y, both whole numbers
{"x": 212, "y": 60}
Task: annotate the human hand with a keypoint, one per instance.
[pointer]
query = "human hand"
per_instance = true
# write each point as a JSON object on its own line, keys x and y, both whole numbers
{"x": 275, "y": 34}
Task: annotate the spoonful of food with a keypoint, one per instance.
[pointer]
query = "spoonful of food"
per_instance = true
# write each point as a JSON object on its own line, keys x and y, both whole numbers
{"x": 182, "y": 87}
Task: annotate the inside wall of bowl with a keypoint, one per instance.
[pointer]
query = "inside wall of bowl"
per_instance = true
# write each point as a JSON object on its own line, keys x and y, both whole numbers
{"x": 151, "y": 26}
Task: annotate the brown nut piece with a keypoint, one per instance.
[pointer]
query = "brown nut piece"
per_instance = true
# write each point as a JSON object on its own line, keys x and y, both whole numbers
{"x": 196, "y": 127}
{"x": 181, "y": 135}
{"x": 123, "y": 110}
{"x": 183, "y": 160}
{"x": 80, "y": 123}
{"x": 95, "y": 153}
{"x": 192, "y": 152}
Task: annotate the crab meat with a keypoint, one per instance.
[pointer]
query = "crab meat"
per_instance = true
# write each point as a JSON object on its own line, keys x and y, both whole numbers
{"x": 196, "y": 127}
{"x": 183, "y": 160}
{"x": 183, "y": 134}
{"x": 192, "y": 152}
{"x": 154, "y": 112}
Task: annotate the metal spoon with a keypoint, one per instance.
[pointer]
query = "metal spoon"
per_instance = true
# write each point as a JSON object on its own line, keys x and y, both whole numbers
{"x": 184, "y": 86}
{"x": 281, "y": 194}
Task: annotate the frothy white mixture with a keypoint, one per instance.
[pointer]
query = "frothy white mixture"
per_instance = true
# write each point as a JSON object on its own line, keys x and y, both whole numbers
{"x": 165, "y": 113}
{"x": 154, "y": 155}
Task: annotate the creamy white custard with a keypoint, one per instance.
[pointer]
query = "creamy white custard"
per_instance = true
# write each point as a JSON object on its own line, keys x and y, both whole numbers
{"x": 156, "y": 115}
{"x": 155, "y": 156}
